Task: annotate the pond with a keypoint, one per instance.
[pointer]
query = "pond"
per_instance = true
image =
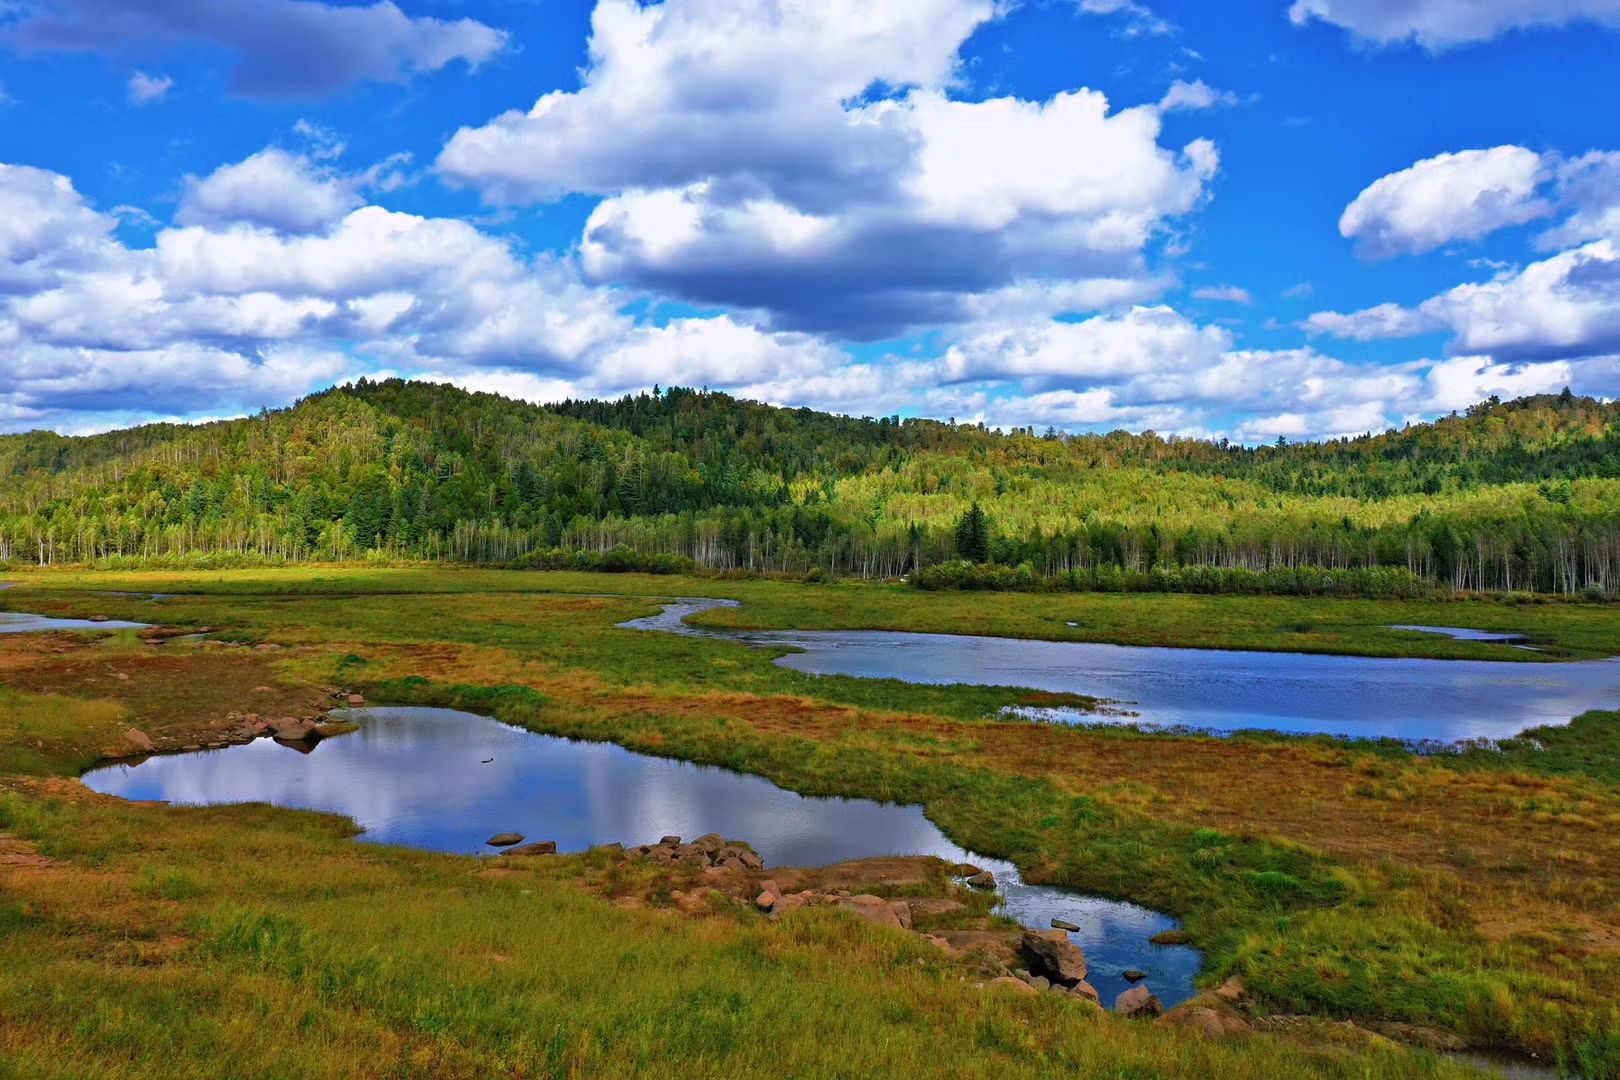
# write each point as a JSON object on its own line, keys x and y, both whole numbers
{"x": 1211, "y": 689}
{"x": 446, "y": 780}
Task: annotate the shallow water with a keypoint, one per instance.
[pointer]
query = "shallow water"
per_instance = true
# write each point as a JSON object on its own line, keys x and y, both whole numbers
{"x": 1221, "y": 690}
{"x": 17, "y": 622}
{"x": 418, "y": 777}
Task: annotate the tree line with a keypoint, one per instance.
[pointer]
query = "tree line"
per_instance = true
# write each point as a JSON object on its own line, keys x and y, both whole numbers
{"x": 1520, "y": 495}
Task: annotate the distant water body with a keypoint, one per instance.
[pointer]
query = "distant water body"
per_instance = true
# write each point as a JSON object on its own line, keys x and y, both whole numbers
{"x": 1213, "y": 689}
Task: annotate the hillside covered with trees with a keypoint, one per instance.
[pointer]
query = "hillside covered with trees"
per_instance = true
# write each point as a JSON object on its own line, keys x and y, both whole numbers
{"x": 1519, "y": 495}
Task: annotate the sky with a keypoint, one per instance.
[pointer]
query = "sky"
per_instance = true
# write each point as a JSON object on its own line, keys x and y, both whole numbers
{"x": 1255, "y": 220}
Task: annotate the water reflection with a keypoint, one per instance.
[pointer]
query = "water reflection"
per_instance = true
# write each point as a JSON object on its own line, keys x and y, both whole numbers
{"x": 418, "y": 777}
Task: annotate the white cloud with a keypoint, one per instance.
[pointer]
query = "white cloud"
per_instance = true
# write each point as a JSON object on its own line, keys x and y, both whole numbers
{"x": 1589, "y": 187}
{"x": 1440, "y": 24}
{"x": 1461, "y": 196}
{"x": 144, "y": 89}
{"x": 1194, "y": 95}
{"x": 746, "y": 161}
{"x": 1082, "y": 355}
{"x": 283, "y": 48}
{"x": 272, "y": 189}
{"x": 1564, "y": 306}
{"x": 1226, "y": 294}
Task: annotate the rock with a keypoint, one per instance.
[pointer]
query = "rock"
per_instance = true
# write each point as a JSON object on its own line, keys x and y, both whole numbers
{"x": 99, "y": 618}
{"x": 769, "y": 885}
{"x": 1039, "y": 982}
{"x": 711, "y": 842}
{"x": 765, "y": 900}
{"x": 935, "y": 907}
{"x": 539, "y": 847}
{"x": 1009, "y": 983}
{"x": 1051, "y": 953}
{"x": 1063, "y": 924}
{"x": 261, "y": 690}
{"x": 965, "y": 869}
{"x": 1083, "y": 989}
{"x": 1213, "y": 1023}
{"x": 984, "y": 879}
{"x": 873, "y": 909}
{"x": 1138, "y": 1001}
{"x": 1232, "y": 990}
{"x": 292, "y": 729}
{"x": 357, "y": 699}
{"x": 671, "y": 841}
{"x": 266, "y": 646}
{"x": 1171, "y": 937}
{"x": 140, "y": 740}
{"x": 505, "y": 839}
{"x": 1132, "y": 975}
{"x": 902, "y": 911}
{"x": 751, "y": 860}
{"x": 732, "y": 864}
{"x": 785, "y": 905}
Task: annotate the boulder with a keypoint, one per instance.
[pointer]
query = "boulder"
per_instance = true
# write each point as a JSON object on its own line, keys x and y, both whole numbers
{"x": 1171, "y": 937}
{"x": 357, "y": 699}
{"x": 751, "y": 860}
{"x": 505, "y": 839}
{"x": 1083, "y": 989}
{"x": 1007, "y": 982}
{"x": 1232, "y": 990}
{"x": 1210, "y": 1022}
{"x": 984, "y": 879}
{"x": 1138, "y": 1001}
{"x": 766, "y": 900}
{"x": 965, "y": 869}
{"x": 292, "y": 729}
{"x": 711, "y": 842}
{"x": 672, "y": 841}
{"x": 935, "y": 907}
{"x": 99, "y": 618}
{"x": 140, "y": 740}
{"x": 1132, "y": 975}
{"x": 902, "y": 911}
{"x": 786, "y": 904}
{"x": 539, "y": 847}
{"x": 873, "y": 909}
{"x": 1051, "y": 953}
{"x": 1063, "y": 924}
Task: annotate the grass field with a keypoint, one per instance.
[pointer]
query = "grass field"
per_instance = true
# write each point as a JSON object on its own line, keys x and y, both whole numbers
{"x": 1474, "y": 895}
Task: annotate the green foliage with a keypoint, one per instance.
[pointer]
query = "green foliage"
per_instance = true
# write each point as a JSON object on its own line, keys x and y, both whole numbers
{"x": 1512, "y": 497}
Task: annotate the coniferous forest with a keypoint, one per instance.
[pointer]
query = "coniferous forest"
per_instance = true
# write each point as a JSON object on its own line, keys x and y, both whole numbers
{"x": 1511, "y": 496}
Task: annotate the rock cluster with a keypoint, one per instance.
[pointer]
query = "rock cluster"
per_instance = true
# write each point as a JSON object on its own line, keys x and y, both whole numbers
{"x": 711, "y": 850}
{"x": 298, "y": 732}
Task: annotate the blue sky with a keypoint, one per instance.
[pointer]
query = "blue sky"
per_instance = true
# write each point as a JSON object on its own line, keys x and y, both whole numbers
{"x": 1312, "y": 218}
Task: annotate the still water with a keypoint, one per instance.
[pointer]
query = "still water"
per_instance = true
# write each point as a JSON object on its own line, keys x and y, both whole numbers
{"x": 446, "y": 780}
{"x": 1220, "y": 690}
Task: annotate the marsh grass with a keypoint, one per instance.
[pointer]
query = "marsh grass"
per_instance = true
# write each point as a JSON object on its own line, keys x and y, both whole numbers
{"x": 1469, "y": 892}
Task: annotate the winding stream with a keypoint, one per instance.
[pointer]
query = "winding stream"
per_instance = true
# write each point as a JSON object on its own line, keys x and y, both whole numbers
{"x": 445, "y": 780}
{"x": 1420, "y": 701}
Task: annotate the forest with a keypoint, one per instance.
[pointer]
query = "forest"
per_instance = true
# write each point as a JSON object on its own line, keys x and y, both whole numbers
{"x": 1516, "y": 496}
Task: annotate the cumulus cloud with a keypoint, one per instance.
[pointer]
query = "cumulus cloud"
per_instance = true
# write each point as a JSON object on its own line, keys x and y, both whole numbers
{"x": 1449, "y": 197}
{"x": 1194, "y": 95}
{"x": 283, "y": 48}
{"x": 806, "y": 161}
{"x": 1567, "y": 305}
{"x": 1441, "y": 24}
{"x": 239, "y": 305}
{"x": 272, "y": 188}
{"x": 144, "y": 89}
